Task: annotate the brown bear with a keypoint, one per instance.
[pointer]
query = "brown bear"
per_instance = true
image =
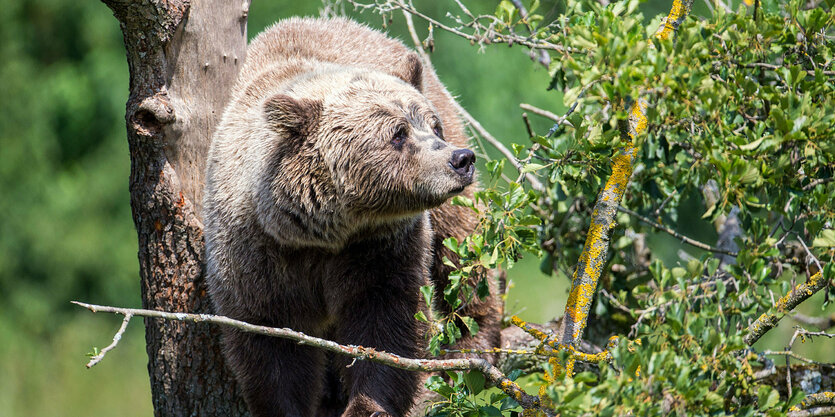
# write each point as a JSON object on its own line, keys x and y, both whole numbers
{"x": 325, "y": 208}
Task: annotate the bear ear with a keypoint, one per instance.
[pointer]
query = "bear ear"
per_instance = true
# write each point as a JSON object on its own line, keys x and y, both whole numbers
{"x": 410, "y": 69}
{"x": 299, "y": 116}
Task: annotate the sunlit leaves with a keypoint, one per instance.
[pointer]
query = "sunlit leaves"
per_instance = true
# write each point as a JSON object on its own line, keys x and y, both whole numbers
{"x": 740, "y": 127}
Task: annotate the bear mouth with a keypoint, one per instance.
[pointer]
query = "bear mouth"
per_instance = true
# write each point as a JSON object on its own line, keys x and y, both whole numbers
{"x": 465, "y": 174}
{"x": 464, "y": 181}
{"x": 458, "y": 190}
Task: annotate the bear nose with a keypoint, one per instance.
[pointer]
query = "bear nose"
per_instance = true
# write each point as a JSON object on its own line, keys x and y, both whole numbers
{"x": 462, "y": 161}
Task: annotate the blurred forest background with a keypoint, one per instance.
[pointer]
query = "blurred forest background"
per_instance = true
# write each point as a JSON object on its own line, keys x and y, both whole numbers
{"x": 66, "y": 231}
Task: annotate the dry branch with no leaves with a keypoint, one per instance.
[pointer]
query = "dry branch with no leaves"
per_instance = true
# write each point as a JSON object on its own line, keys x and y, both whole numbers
{"x": 493, "y": 374}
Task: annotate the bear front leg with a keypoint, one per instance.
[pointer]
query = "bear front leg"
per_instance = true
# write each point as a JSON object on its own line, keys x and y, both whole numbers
{"x": 382, "y": 319}
{"x": 278, "y": 377}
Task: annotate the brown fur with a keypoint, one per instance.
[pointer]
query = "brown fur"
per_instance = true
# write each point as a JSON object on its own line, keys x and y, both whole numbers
{"x": 320, "y": 219}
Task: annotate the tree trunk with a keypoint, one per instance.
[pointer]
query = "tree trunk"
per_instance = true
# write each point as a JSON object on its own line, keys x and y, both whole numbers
{"x": 183, "y": 57}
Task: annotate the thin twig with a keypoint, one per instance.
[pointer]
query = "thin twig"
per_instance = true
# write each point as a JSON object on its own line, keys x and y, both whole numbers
{"x": 793, "y": 355}
{"x": 541, "y": 112}
{"x": 410, "y": 24}
{"x": 492, "y": 373}
{"x": 685, "y": 239}
{"x": 116, "y": 338}
{"x": 809, "y": 253}
{"x": 805, "y": 333}
{"x": 559, "y": 120}
{"x": 535, "y": 183}
{"x": 774, "y": 67}
{"x": 817, "y": 182}
{"x": 495, "y": 38}
{"x": 543, "y": 57}
{"x": 657, "y": 211}
{"x": 822, "y": 323}
{"x": 528, "y": 127}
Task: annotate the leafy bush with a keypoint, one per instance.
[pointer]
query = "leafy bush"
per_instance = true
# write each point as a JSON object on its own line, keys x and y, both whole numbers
{"x": 740, "y": 111}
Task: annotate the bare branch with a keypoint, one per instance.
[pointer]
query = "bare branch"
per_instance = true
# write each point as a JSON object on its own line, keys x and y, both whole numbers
{"x": 793, "y": 355}
{"x": 809, "y": 253}
{"x": 543, "y": 57}
{"x": 490, "y": 36}
{"x": 559, "y": 119}
{"x": 685, "y": 239}
{"x": 799, "y": 294}
{"x": 541, "y": 112}
{"x": 817, "y": 181}
{"x": 774, "y": 67}
{"x": 822, "y": 323}
{"x": 410, "y": 24}
{"x": 492, "y": 373}
{"x": 528, "y": 127}
{"x": 116, "y": 338}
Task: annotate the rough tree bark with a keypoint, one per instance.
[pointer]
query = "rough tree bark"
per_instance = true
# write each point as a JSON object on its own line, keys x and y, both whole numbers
{"x": 183, "y": 57}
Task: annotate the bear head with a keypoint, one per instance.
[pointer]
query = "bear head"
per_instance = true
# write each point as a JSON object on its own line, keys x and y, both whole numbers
{"x": 354, "y": 152}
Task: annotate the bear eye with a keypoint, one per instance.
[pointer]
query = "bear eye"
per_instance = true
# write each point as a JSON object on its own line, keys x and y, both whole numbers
{"x": 436, "y": 129}
{"x": 399, "y": 137}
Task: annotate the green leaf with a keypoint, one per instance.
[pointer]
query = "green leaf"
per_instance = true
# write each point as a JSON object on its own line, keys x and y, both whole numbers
{"x": 421, "y": 317}
{"x": 585, "y": 377}
{"x": 482, "y": 289}
{"x": 531, "y": 168}
{"x": 530, "y": 220}
{"x": 452, "y": 331}
{"x": 713, "y": 400}
{"x": 437, "y": 384}
{"x": 489, "y": 411}
{"x": 517, "y": 148}
{"x": 826, "y": 239}
{"x": 474, "y": 381}
{"x": 434, "y": 347}
{"x": 471, "y": 324}
{"x": 767, "y": 397}
{"x": 595, "y": 135}
{"x": 753, "y": 145}
{"x": 451, "y": 243}
{"x": 516, "y": 373}
{"x": 462, "y": 201}
{"x": 427, "y": 291}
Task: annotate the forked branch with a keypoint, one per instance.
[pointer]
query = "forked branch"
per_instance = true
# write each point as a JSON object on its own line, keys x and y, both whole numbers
{"x": 493, "y": 374}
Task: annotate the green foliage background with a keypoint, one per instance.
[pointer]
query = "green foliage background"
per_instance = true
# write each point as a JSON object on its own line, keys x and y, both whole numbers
{"x": 65, "y": 224}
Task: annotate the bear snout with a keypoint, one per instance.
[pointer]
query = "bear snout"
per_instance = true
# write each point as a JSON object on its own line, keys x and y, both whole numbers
{"x": 462, "y": 162}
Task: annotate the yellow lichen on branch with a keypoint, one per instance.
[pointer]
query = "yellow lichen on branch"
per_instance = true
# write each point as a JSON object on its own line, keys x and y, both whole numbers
{"x": 593, "y": 258}
{"x": 678, "y": 12}
{"x": 786, "y": 303}
{"x": 815, "y": 400}
{"x": 554, "y": 350}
